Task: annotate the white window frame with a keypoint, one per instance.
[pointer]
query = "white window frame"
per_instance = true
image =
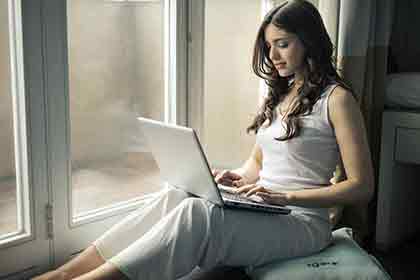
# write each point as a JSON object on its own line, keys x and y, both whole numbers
{"x": 176, "y": 59}
{"x": 57, "y": 89}
{"x": 23, "y": 203}
{"x": 195, "y": 66}
{"x": 30, "y": 145}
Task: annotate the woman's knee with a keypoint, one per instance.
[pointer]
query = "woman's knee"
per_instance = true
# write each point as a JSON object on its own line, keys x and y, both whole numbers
{"x": 197, "y": 211}
{"x": 196, "y": 230}
{"x": 196, "y": 204}
{"x": 174, "y": 196}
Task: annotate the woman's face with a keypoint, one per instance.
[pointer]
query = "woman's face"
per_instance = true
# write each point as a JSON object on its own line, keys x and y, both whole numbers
{"x": 286, "y": 51}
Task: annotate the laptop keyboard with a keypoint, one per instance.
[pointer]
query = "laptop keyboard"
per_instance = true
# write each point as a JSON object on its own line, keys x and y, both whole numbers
{"x": 235, "y": 196}
{"x": 253, "y": 202}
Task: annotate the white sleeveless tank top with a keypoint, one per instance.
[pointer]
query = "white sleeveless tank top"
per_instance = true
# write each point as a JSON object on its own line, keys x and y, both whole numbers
{"x": 304, "y": 162}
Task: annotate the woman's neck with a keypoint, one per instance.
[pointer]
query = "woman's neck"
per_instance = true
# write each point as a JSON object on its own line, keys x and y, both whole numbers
{"x": 298, "y": 78}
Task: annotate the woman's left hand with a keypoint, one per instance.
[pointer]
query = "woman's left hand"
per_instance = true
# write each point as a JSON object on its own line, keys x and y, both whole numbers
{"x": 269, "y": 196}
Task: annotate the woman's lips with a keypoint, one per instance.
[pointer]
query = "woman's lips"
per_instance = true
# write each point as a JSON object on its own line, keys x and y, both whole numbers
{"x": 280, "y": 65}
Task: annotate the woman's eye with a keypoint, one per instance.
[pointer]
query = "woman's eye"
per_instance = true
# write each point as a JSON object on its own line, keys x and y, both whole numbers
{"x": 282, "y": 44}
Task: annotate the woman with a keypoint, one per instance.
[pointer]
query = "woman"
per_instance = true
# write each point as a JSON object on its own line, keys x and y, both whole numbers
{"x": 308, "y": 123}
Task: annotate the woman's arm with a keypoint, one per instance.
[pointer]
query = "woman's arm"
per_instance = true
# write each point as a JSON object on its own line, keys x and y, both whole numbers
{"x": 347, "y": 120}
{"x": 248, "y": 173}
{"x": 251, "y": 168}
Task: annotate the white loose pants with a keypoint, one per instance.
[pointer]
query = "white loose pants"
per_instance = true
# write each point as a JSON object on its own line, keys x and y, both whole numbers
{"x": 169, "y": 237}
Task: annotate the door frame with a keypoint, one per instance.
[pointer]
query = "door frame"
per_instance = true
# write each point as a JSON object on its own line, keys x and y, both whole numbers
{"x": 31, "y": 161}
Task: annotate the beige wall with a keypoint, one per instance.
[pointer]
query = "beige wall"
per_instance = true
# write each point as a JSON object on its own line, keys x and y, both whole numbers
{"x": 115, "y": 71}
{"x": 231, "y": 89}
{"x": 6, "y": 117}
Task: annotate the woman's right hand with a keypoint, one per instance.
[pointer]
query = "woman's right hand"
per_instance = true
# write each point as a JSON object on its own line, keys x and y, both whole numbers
{"x": 228, "y": 178}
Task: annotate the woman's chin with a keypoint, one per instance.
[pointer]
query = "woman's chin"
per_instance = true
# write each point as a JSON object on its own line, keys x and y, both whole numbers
{"x": 284, "y": 73}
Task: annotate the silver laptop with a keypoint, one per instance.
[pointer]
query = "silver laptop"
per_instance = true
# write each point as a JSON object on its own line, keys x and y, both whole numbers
{"x": 183, "y": 164}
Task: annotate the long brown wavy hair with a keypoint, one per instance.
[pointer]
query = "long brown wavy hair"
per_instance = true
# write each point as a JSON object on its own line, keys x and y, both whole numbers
{"x": 302, "y": 19}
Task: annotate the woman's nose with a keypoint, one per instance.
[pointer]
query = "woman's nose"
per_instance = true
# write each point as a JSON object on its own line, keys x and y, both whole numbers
{"x": 274, "y": 54}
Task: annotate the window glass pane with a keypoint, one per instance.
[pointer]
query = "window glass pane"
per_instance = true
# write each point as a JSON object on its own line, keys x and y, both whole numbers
{"x": 8, "y": 206}
{"x": 231, "y": 89}
{"x": 115, "y": 74}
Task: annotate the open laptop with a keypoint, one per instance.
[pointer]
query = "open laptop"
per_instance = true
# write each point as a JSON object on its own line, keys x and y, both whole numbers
{"x": 183, "y": 164}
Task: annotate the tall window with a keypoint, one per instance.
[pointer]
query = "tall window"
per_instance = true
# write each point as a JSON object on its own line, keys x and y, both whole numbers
{"x": 8, "y": 195}
{"x": 115, "y": 74}
{"x": 14, "y": 189}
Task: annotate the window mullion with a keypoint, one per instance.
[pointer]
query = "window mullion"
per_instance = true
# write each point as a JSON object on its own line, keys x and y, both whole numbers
{"x": 196, "y": 66}
{"x": 176, "y": 27}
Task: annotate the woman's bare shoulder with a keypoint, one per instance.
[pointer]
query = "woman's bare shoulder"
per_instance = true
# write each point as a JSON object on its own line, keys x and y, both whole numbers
{"x": 341, "y": 104}
{"x": 341, "y": 94}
